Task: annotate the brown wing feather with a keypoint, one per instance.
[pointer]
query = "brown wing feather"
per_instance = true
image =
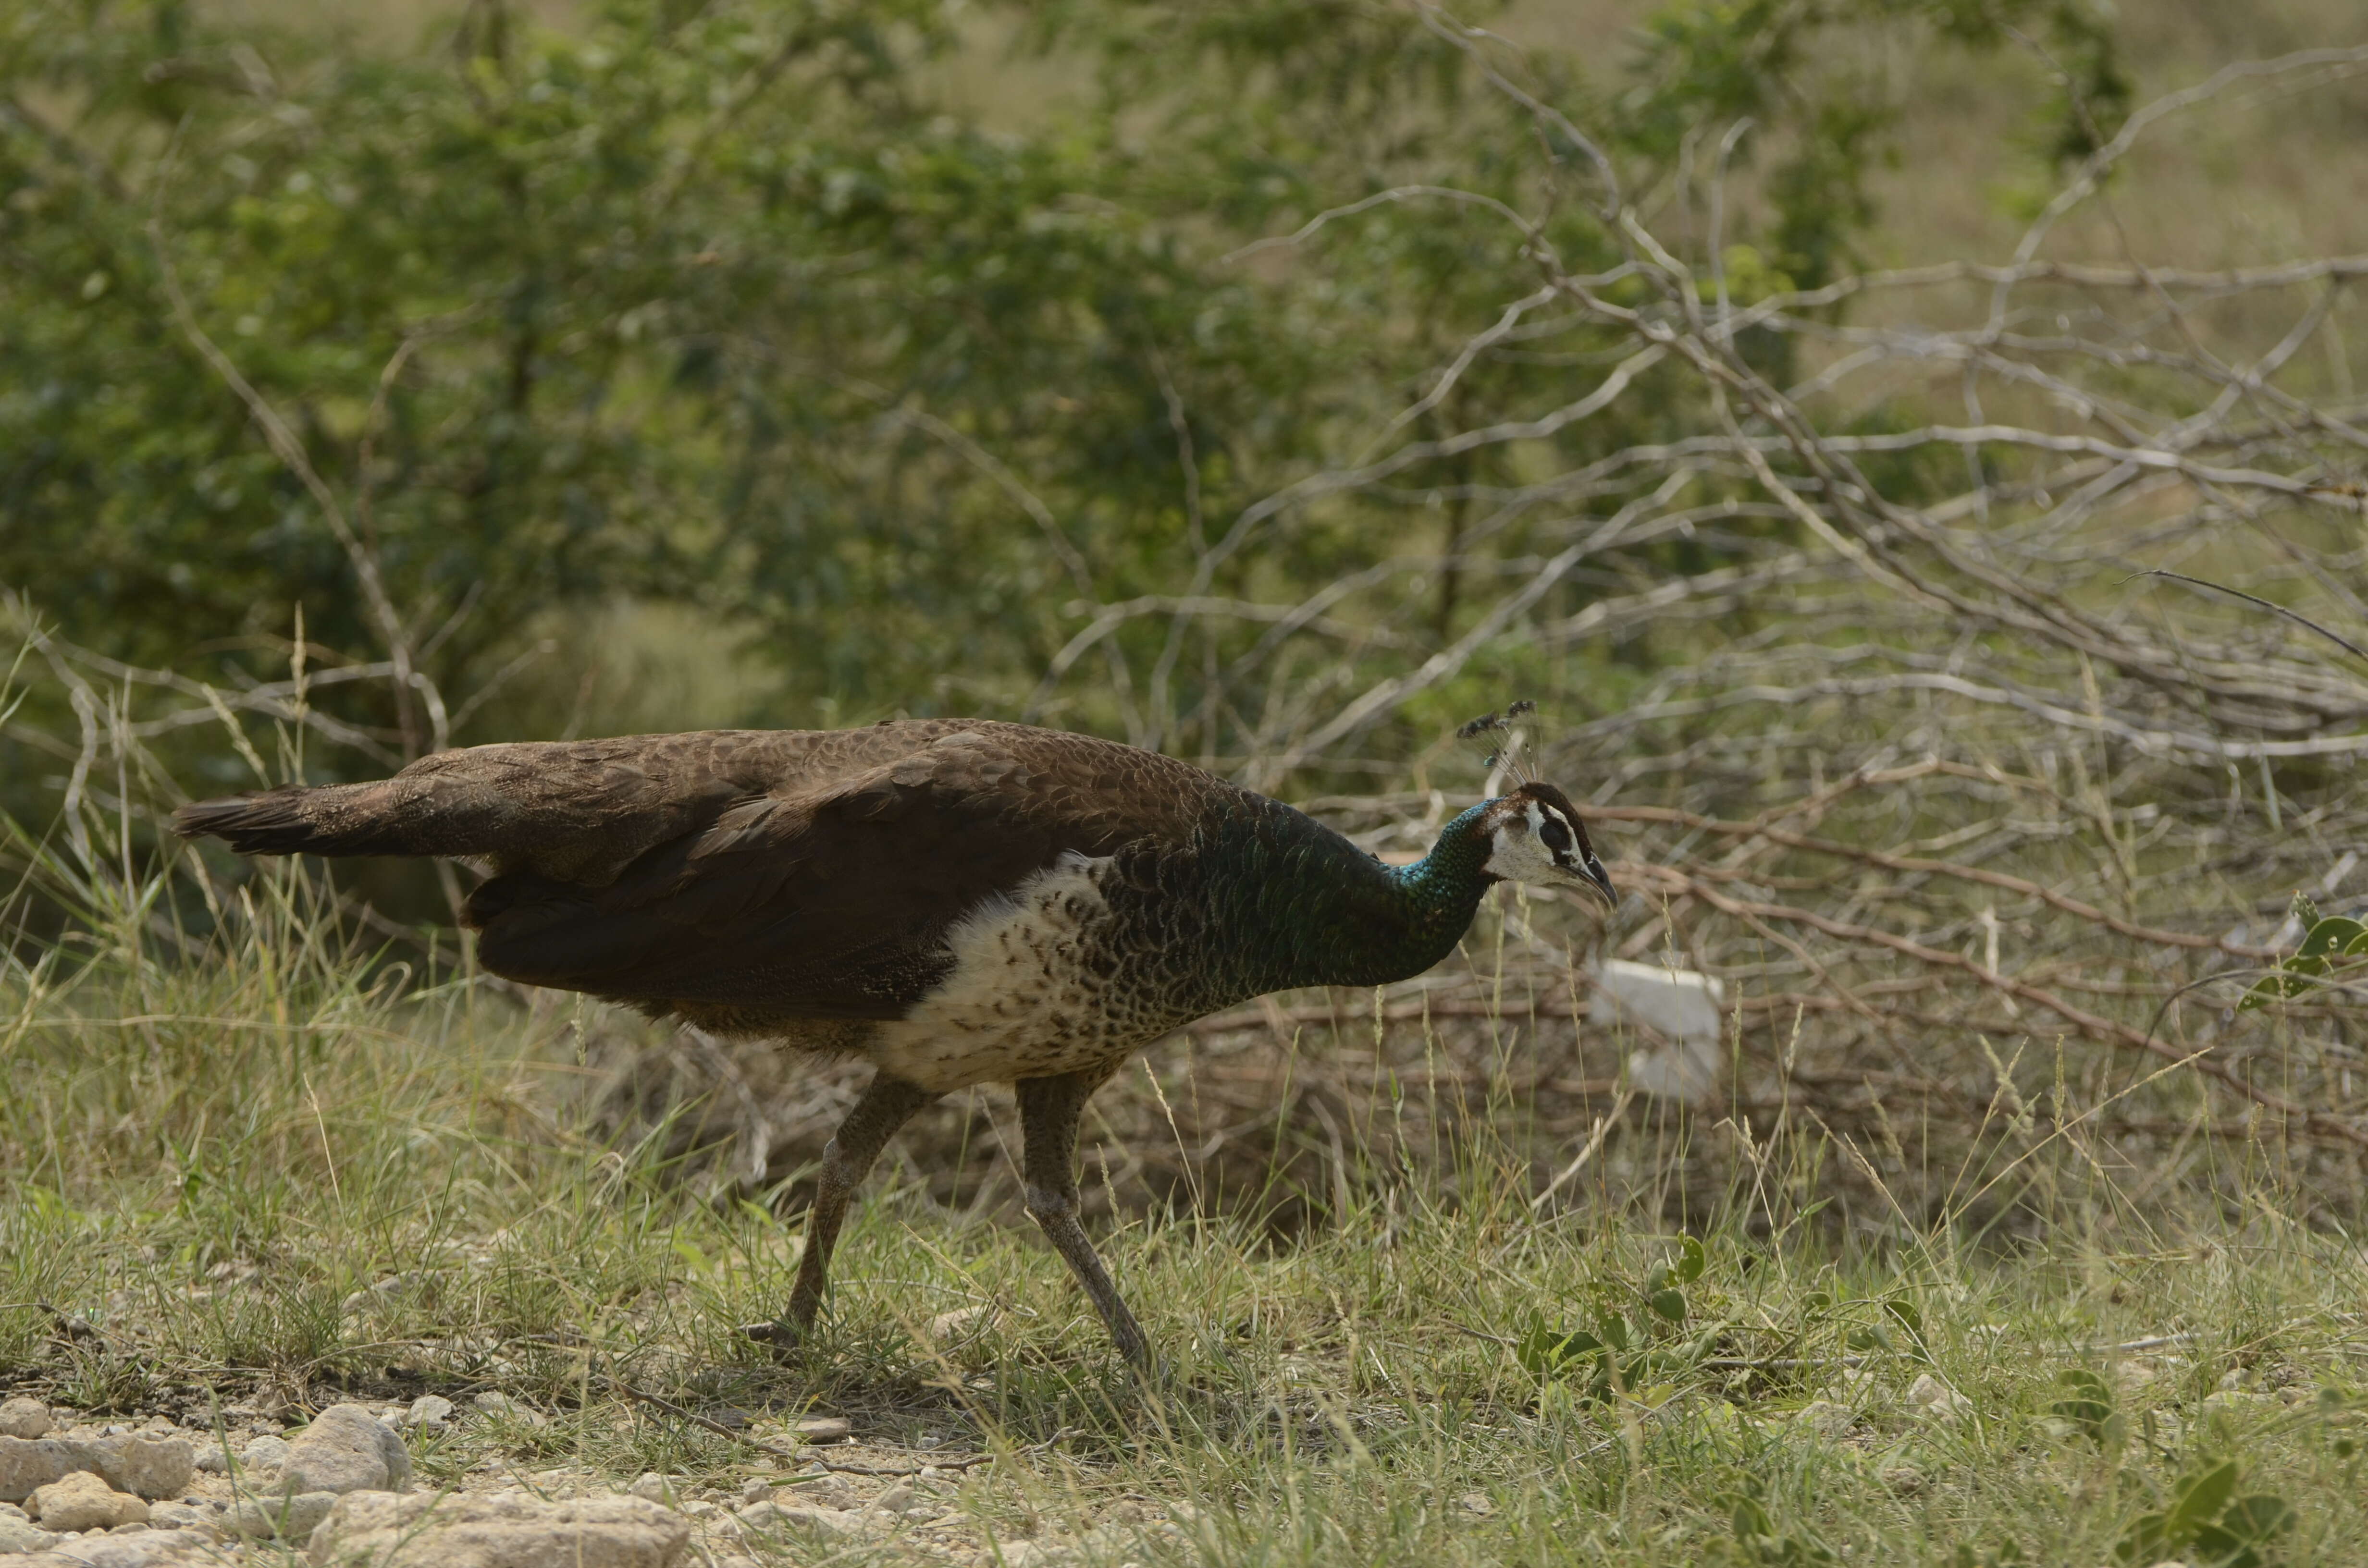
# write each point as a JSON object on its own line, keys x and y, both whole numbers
{"x": 776, "y": 874}
{"x": 835, "y": 903}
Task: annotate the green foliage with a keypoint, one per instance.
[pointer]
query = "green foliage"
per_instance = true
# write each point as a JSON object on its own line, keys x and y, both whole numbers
{"x": 1755, "y": 1537}
{"x": 1630, "y": 1344}
{"x": 2206, "y": 1517}
{"x": 721, "y": 309}
{"x": 2329, "y": 943}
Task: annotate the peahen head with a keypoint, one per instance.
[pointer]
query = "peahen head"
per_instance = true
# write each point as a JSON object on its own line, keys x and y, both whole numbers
{"x": 1533, "y": 835}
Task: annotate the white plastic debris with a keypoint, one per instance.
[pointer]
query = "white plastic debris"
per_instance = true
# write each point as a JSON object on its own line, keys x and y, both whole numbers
{"x": 1683, "y": 1005}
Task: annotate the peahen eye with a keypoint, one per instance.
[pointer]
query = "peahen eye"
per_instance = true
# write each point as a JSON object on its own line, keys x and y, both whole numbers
{"x": 1556, "y": 837}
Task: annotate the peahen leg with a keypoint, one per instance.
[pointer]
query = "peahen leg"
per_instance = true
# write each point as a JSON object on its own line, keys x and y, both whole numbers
{"x": 885, "y": 1106}
{"x": 1049, "y": 1108}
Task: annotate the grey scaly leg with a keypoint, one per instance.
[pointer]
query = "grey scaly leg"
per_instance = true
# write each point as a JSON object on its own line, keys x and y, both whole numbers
{"x": 1049, "y": 1108}
{"x": 886, "y": 1105}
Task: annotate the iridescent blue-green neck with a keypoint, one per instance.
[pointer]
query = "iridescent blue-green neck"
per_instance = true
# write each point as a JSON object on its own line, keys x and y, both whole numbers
{"x": 1453, "y": 875}
{"x": 1358, "y": 922}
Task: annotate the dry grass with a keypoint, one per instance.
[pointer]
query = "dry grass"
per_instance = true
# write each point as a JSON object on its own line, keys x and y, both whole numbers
{"x": 209, "y": 1161}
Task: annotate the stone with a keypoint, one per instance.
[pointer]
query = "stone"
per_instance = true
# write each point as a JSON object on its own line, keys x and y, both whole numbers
{"x": 180, "y": 1516}
{"x": 27, "y": 1464}
{"x": 962, "y": 1322}
{"x": 773, "y": 1519}
{"x": 895, "y": 1500}
{"x": 428, "y": 1413}
{"x": 17, "y": 1535}
{"x": 150, "y": 1548}
{"x": 824, "y": 1485}
{"x": 652, "y": 1487}
{"x": 85, "y": 1501}
{"x": 22, "y": 1417}
{"x": 1936, "y": 1400}
{"x": 423, "y": 1530}
{"x": 290, "y": 1517}
{"x": 346, "y": 1449}
{"x": 147, "y": 1465}
{"x": 1825, "y": 1418}
{"x": 823, "y": 1429}
{"x": 265, "y": 1454}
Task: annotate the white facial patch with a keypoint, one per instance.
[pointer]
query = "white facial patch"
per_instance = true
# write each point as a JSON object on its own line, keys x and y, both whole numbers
{"x": 1517, "y": 854}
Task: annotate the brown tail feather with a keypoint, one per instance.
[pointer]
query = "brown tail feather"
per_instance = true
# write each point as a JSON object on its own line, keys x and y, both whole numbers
{"x": 332, "y": 820}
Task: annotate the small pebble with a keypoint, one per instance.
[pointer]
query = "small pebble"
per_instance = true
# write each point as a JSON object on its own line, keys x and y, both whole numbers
{"x": 652, "y": 1488}
{"x": 960, "y": 1323}
{"x": 1937, "y": 1400}
{"x": 430, "y": 1412}
{"x": 22, "y": 1417}
{"x": 824, "y": 1485}
{"x": 264, "y": 1453}
{"x": 1825, "y": 1418}
{"x": 823, "y": 1429}
{"x": 294, "y": 1517}
{"x": 83, "y": 1501}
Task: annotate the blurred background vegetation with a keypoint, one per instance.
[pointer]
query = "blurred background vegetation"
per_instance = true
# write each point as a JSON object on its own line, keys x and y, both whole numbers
{"x": 797, "y": 364}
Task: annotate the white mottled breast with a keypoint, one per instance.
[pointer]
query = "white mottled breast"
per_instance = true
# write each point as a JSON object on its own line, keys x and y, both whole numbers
{"x": 1025, "y": 999}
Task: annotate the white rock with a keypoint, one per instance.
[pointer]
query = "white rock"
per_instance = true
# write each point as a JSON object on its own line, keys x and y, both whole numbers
{"x": 428, "y": 1413}
{"x": 23, "y": 1417}
{"x": 823, "y": 1429}
{"x": 422, "y": 1530}
{"x": 346, "y": 1449}
{"x": 827, "y": 1484}
{"x": 147, "y": 1465}
{"x": 652, "y": 1488}
{"x": 266, "y": 1453}
{"x": 180, "y": 1516}
{"x": 1682, "y": 1004}
{"x": 16, "y": 1535}
{"x": 1936, "y": 1400}
{"x": 29, "y": 1463}
{"x": 895, "y": 1500}
{"x": 84, "y": 1502}
{"x": 1825, "y": 1418}
{"x": 773, "y": 1519}
{"x": 148, "y": 1548}
{"x": 960, "y": 1324}
{"x": 290, "y": 1517}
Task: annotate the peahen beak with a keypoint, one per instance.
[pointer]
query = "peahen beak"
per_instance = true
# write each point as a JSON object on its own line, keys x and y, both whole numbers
{"x": 1600, "y": 879}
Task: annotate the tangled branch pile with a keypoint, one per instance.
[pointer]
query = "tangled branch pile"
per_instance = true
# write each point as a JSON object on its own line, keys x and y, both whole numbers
{"x": 1985, "y": 807}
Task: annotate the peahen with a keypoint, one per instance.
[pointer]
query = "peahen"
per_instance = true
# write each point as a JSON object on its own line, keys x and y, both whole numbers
{"x": 961, "y": 902}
